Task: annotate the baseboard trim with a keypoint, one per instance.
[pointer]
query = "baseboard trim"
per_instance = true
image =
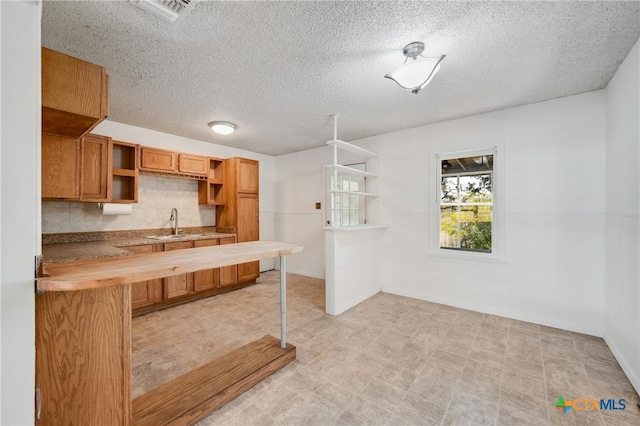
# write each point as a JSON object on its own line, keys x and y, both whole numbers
{"x": 536, "y": 320}
{"x": 626, "y": 367}
{"x": 346, "y": 306}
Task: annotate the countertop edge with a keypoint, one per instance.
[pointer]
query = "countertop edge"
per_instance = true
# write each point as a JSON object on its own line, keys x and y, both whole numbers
{"x": 96, "y": 274}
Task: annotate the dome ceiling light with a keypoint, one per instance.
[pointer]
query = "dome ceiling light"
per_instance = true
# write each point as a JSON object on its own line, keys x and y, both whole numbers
{"x": 417, "y": 71}
{"x": 223, "y": 127}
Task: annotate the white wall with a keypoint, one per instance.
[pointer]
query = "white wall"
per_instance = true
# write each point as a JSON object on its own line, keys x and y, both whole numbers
{"x": 299, "y": 187}
{"x": 19, "y": 205}
{"x": 622, "y": 209}
{"x": 352, "y": 268}
{"x": 553, "y": 268}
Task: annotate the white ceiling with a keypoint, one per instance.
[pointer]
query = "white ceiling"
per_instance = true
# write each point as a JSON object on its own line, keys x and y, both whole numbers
{"x": 280, "y": 69}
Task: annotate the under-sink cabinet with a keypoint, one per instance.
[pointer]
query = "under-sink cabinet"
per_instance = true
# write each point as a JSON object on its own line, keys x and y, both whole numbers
{"x": 147, "y": 296}
{"x": 178, "y": 285}
{"x": 209, "y": 278}
{"x": 228, "y": 274}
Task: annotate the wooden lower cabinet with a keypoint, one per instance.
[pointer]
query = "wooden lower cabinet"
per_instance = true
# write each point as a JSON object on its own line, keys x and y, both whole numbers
{"x": 208, "y": 279}
{"x": 228, "y": 273}
{"x": 147, "y": 296}
{"x": 178, "y": 285}
{"x": 145, "y": 293}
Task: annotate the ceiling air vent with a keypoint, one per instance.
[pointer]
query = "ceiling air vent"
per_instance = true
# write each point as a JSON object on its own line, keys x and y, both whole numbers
{"x": 169, "y": 10}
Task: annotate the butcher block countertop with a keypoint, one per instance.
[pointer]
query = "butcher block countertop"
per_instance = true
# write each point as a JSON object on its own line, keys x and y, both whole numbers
{"x": 61, "y": 248}
{"x": 95, "y": 274}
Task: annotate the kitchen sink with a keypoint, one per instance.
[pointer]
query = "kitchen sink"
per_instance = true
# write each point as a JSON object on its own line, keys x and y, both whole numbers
{"x": 173, "y": 237}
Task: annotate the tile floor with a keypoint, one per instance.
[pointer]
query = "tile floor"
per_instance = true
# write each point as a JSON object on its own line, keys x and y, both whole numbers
{"x": 390, "y": 360}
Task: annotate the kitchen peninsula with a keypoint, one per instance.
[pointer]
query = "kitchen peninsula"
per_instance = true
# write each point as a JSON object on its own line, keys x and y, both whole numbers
{"x": 84, "y": 339}
{"x": 150, "y": 295}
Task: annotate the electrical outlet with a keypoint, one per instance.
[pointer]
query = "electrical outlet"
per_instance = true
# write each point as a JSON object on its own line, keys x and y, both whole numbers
{"x": 318, "y": 206}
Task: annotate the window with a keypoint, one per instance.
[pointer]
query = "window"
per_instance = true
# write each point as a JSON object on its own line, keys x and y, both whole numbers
{"x": 466, "y": 202}
{"x": 347, "y": 203}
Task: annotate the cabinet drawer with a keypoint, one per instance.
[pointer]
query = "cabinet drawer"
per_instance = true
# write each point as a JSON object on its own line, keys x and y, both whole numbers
{"x": 193, "y": 164}
{"x": 158, "y": 159}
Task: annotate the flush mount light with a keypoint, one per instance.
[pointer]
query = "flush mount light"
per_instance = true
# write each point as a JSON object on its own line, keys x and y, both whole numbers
{"x": 223, "y": 127}
{"x": 417, "y": 70}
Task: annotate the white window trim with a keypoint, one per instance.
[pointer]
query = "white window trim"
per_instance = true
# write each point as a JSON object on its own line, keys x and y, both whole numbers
{"x": 498, "y": 237}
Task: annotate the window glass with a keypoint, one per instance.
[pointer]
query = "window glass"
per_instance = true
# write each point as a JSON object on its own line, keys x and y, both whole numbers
{"x": 466, "y": 203}
{"x": 347, "y": 200}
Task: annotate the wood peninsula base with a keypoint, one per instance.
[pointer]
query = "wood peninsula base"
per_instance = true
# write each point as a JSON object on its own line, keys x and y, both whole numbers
{"x": 83, "y": 341}
{"x": 193, "y": 396}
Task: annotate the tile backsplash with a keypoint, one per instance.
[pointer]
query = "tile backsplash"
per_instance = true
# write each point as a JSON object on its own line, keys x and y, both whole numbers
{"x": 156, "y": 197}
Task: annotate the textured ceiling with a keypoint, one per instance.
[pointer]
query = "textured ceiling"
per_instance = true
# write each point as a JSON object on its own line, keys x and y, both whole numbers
{"x": 280, "y": 69}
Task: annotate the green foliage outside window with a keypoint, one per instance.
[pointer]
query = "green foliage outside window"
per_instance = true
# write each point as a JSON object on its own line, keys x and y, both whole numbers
{"x": 466, "y": 212}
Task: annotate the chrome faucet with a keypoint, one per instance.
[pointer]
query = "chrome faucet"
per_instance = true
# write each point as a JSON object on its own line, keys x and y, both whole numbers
{"x": 174, "y": 217}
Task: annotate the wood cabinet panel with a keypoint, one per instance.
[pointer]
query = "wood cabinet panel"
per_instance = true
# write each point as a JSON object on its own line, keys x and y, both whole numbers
{"x": 95, "y": 168}
{"x": 60, "y": 167}
{"x": 241, "y": 208}
{"x": 248, "y": 272}
{"x": 210, "y": 191}
{"x": 193, "y": 164}
{"x": 83, "y": 356}
{"x": 178, "y": 285}
{"x": 248, "y": 178}
{"x": 124, "y": 172}
{"x": 210, "y": 278}
{"x": 248, "y": 228}
{"x": 74, "y": 94}
{"x": 145, "y": 293}
{"x": 158, "y": 159}
{"x": 228, "y": 273}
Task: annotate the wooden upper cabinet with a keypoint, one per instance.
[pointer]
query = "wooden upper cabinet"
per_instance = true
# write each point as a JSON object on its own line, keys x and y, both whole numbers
{"x": 60, "y": 167}
{"x": 247, "y": 175}
{"x": 124, "y": 172}
{"x": 94, "y": 171}
{"x": 75, "y": 94}
{"x": 158, "y": 159}
{"x": 193, "y": 164}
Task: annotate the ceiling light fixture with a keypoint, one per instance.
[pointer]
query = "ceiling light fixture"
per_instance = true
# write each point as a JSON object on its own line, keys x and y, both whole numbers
{"x": 223, "y": 127}
{"x": 417, "y": 70}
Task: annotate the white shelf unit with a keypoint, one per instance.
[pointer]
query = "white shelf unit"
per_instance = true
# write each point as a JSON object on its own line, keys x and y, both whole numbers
{"x": 343, "y": 183}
